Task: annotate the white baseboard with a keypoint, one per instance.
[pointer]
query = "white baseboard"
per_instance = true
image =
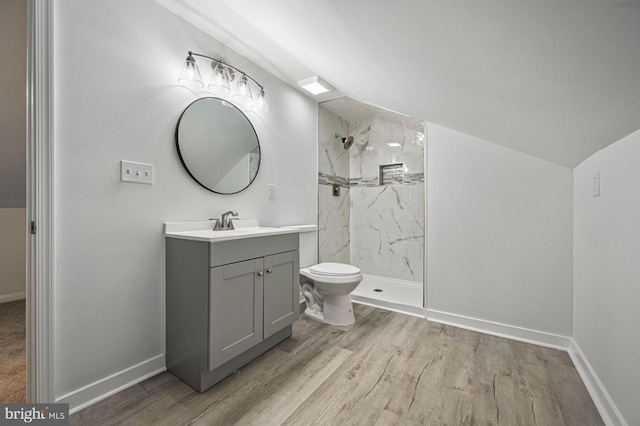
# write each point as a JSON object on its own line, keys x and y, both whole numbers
{"x": 606, "y": 407}
{"x": 113, "y": 384}
{"x": 501, "y": 330}
{"x": 12, "y": 297}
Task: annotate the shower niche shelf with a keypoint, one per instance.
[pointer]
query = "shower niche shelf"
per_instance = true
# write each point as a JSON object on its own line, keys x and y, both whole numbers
{"x": 391, "y": 174}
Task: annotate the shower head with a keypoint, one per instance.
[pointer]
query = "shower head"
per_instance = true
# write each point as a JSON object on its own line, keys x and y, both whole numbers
{"x": 346, "y": 142}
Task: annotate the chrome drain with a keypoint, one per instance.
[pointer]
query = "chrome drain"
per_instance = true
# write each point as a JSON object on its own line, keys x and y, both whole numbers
{"x": 378, "y": 290}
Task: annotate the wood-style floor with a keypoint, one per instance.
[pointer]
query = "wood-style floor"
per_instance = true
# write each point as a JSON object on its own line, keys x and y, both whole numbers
{"x": 388, "y": 369}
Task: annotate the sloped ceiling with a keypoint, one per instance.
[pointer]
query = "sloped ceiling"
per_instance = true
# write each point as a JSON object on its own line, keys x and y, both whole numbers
{"x": 354, "y": 112}
{"x": 557, "y": 79}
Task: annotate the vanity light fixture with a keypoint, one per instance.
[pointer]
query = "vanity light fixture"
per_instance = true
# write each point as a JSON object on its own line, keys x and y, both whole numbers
{"x": 315, "y": 85}
{"x": 221, "y": 76}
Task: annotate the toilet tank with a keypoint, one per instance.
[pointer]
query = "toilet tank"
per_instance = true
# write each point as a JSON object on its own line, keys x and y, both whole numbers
{"x": 308, "y": 244}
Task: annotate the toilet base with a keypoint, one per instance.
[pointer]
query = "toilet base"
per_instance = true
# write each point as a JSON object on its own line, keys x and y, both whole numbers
{"x": 337, "y": 310}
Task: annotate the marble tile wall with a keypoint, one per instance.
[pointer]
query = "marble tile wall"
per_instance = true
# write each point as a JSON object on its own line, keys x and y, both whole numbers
{"x": 333, "y": 159}
{"x": 333, "y": 230}
{"x": 333, "y": 168}
{"x": 370, "y": 148}
{"x": 378, "y": 228}
{"x": 387, "y": 230}
{"x": 387, "y": 222}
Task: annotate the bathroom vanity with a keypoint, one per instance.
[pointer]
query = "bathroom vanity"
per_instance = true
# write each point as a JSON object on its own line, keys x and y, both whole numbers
{"x": 230, "y": 296}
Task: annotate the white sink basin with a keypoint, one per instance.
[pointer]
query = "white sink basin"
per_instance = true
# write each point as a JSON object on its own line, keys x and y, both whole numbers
{"x": 202, "y": 231}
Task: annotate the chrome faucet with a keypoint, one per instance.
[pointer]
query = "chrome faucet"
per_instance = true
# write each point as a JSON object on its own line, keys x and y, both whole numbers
{"x": 225, "y": 222}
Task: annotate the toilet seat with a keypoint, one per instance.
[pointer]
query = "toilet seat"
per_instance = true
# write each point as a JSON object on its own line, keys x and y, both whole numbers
{"x": 332, "y": 269}
{"x": 328, "y": 273}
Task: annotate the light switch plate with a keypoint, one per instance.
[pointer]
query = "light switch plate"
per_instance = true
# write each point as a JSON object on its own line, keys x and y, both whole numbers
{"x": 271, "y": 188}
{"x": 130, "y": 171}
{"x": 596, "y": 184}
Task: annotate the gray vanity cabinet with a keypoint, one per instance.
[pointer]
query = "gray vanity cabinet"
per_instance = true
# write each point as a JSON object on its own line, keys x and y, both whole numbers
{"x": 227, "y": 303}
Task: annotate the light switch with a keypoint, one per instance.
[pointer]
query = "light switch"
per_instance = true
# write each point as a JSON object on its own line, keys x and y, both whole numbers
{"x": 131, "y": 171}
{"x": 596, "y": 184}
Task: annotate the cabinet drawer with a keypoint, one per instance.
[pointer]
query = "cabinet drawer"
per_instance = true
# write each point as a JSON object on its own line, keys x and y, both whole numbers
{"x": 226, "y": 252}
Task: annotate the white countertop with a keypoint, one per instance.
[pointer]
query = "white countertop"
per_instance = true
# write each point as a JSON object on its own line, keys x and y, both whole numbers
{"x": 203, "y": 230}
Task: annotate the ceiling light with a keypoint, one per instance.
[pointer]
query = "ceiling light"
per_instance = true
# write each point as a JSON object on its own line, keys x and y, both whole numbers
{"x": 315, "y": 85}
{"x": 222, "y": 74}
{"x": 393, "y": 144}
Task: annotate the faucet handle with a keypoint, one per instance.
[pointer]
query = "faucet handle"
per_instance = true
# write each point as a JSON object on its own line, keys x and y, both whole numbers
{"x": 231, "y": 219}
{"x": 225, "y": 222}
{"x": 216, "y": 227}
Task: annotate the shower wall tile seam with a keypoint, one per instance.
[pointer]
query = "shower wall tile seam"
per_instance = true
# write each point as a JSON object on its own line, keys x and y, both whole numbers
{"x": 326, "y": 179}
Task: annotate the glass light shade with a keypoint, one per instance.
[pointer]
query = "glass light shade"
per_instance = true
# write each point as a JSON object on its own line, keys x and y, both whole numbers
{"x": 190, "y": 75}
{"x": 261, "y": 102}
{"x": 219, "y": 82}
{"x": 243, "y": 92}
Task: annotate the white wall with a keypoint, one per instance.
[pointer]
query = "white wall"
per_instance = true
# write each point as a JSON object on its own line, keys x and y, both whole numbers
{"x": 13, "y": 239}
{"x": 499, "y": 234}
{"x": 606, "y": 296}
{"x": 116, "y": 97}
{"x": 13, "y": 103}
{"x": 13, "y": 124}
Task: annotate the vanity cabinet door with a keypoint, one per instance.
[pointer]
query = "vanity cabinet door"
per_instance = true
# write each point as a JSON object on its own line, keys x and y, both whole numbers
{"x": 235, "y": 309}
{"x": 280, "y": 291}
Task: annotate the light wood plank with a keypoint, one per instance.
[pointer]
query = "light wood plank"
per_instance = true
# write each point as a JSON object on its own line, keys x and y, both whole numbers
{"x": 533, "y": 381}
{"x": 386, "y": 369}
{"x": 573, "y": 397}
{"x": 297, "y": 387}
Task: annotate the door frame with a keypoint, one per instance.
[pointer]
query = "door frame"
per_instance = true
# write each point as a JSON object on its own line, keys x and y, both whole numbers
{"x": 40, "y": 188}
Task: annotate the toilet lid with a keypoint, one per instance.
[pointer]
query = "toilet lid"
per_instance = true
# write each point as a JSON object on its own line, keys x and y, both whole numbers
{"x": 334, "y": 269}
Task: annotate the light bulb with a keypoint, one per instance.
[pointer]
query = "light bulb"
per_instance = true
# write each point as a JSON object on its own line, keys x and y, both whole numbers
{"x": 219, "y": 82}
{"x": 243, "y": 91}
{"x": 261, "y": 102}
{"x": 190, "y": 75}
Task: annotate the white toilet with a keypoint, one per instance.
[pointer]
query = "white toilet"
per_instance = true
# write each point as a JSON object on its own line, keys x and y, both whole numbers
{"x": 326, "y": 286}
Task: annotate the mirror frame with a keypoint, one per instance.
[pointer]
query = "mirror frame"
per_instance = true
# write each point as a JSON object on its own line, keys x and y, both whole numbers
{"x": 187, "y": 168}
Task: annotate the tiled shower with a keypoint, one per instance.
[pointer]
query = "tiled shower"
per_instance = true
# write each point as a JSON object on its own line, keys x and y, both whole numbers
{"x": 372, "y": 199}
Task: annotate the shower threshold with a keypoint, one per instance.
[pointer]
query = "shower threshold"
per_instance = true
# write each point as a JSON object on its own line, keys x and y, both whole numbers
{"x": 392, "y": 294}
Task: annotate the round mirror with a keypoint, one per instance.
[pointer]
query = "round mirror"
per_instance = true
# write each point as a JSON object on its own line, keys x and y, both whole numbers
{"x": 218, "y": 145}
